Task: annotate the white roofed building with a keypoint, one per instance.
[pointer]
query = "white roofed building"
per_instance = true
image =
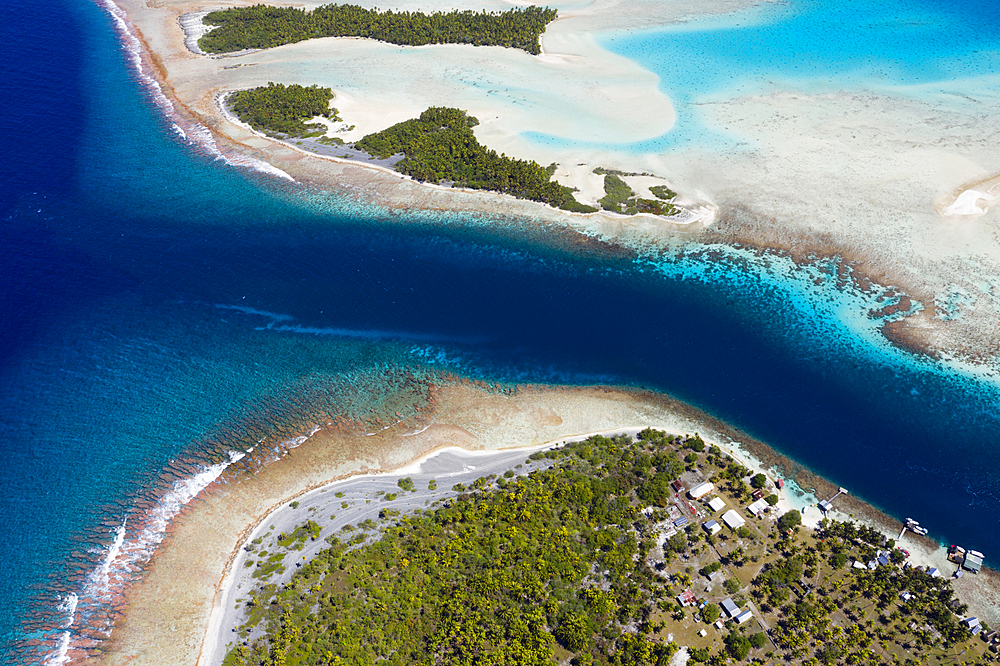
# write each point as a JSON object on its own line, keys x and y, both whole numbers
{"x": 758, "y": 507}
{"x": 729, "y": 608}
{"x": 733, "y": 520}
{"x": 716, "y": 504}
{"x": 701, "y": 490}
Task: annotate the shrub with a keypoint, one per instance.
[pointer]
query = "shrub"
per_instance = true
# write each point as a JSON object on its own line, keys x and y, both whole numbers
{"x": 789, "y": 520}
{"x": 709, "y": 569}
{"x": 710, "y": 613}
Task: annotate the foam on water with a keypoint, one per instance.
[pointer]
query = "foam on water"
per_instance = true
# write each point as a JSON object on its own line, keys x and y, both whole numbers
{"x": 60, "y": 656}
{"x": 123, "y": 561}
{"x": 198, "y": 136}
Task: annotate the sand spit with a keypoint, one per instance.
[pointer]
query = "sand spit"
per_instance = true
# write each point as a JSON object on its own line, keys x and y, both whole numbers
{"x": 862, "y": 176}
{"x": 184, "y": 593}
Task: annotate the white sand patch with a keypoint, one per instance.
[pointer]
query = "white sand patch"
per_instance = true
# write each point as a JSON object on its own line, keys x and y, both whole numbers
{"x": 579, "y": 98}
{"x": 970, "y": 203}
{"x": 581, "y": 177}
{"x": 864, "y": 174}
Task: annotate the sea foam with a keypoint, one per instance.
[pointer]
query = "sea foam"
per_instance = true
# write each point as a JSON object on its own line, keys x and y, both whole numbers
{"x": 133, "y": 545}
{"x": 194, "y": 134}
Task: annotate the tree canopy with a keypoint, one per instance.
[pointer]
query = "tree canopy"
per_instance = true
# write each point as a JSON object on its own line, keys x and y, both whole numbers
{"x": 439, "y": 146}
{"x": 277, "y": 108}
{"x": 263, "y": 26}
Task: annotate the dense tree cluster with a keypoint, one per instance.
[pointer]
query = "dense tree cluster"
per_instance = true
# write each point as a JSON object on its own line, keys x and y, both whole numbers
{"x": 280, "y": 109}
{"x": 439, "y": 146}
{"x": 502, "y": 575}
{"x": 561, "y": 566}
{"x": 263, "y": 26}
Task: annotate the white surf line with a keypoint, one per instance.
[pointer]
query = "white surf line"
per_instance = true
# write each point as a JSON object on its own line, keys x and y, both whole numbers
{"x": 126, "y": 555}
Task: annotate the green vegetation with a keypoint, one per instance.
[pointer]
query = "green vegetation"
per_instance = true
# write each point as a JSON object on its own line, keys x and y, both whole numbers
{"x": 619, "y": 198}
{"x": 789, "y": 520}
{"x": 439, "y": 146}
{"x": 662, "y": 192}
{"x": 280, "y": 109}
{"x": 710, "y": 613}
{"x": 601, "y": 170}
{"x": 616, "y": 194}
{"x": 406, "y": 484}
{"x": 562, "y": 566}
{"x": 262, "y": 26}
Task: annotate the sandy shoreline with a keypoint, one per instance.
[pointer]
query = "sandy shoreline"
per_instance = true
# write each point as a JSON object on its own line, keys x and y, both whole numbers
{"x": 168, "y": 613}
{"x": 864, "y": 177}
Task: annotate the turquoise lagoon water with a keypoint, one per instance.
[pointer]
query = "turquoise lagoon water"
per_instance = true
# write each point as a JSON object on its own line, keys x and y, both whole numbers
{"x": 163, "y": 311}
{"x": 913, "y": 48}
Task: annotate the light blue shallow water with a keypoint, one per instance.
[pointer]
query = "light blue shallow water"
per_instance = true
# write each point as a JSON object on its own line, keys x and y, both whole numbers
{"x": 161, "y": 309}
{"x": 812, "y": 46}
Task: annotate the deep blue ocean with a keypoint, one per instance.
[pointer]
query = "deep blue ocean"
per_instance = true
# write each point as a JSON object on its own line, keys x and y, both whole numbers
{"x": 156, "y": 301}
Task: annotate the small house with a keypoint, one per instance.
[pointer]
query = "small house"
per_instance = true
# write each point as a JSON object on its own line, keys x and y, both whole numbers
{"x": 973, "y": 624}
{"x": 729, "y": 608}
{"x": 680, "y": 522}
{"x": 716, "y": 504}
{"x": 701, "y": 490}
{"x": 743, "y": 617}
{"x": 733, "y": 520}
{"x": 758, "y": 507}
{"x": 711, "y": 527}
{"x": 687, "y": 598}
{"x": 758, "y": 494}
{"x": 677, "y": 486}
{"x": 825, "y": 506}
{"x": 933, "y": 572}
{"x": 780, "y": 484}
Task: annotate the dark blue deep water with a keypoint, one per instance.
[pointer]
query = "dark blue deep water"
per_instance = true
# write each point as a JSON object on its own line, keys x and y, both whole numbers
{"x": 152, "y": 296}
